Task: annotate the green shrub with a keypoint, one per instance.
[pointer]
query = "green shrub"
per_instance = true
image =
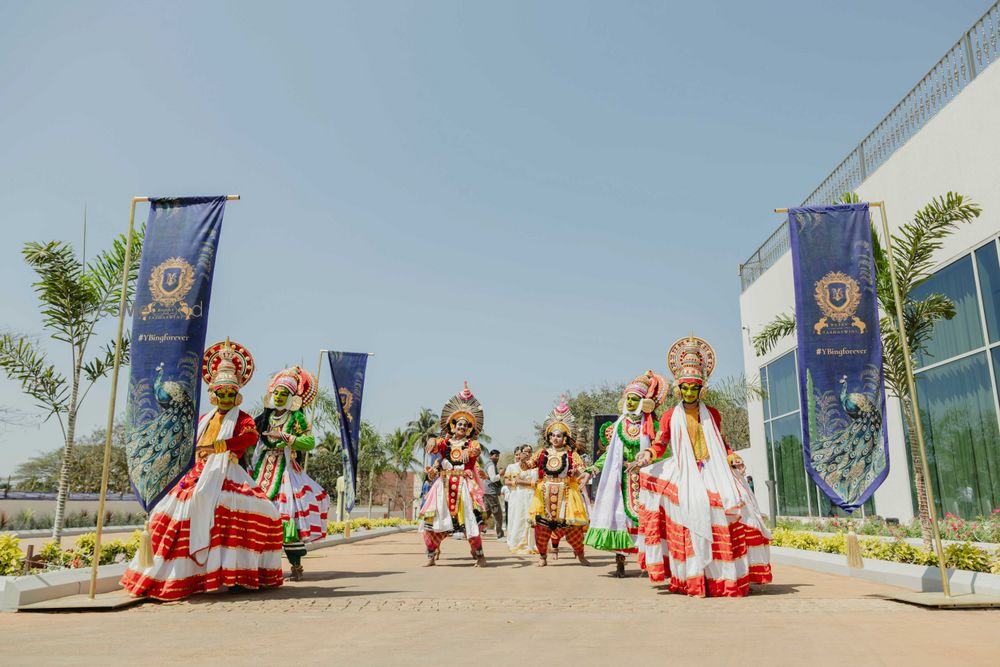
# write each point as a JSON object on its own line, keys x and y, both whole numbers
{"x": 834, "y": 544}
{"x": 337, "y": 527}
{"x": 52, "y": 556}
{"x": 877, "y": 549}
{"x": 10, "y": 555}
{"x": 966, "y": 556}
{"x": 962, "y": 556}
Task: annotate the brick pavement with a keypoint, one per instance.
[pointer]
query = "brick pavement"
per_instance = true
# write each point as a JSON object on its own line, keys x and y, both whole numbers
{"x": 373, "y": 603}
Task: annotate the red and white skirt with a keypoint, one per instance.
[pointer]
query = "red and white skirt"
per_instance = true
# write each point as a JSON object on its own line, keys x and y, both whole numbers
{"x": 740, "y": 553}
{"x": 302, "y": 501}
{"x": 244, "y": 545}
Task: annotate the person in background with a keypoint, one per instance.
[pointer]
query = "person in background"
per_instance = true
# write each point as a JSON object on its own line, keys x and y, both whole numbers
{"x": 494, "y": 486}
{"x": 521, "y": 485}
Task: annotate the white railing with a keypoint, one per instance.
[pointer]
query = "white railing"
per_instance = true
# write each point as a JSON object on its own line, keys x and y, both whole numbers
{"x": 974, "y": 52}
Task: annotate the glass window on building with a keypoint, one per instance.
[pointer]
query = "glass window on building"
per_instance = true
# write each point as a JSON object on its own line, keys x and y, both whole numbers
{"x": 792, "y": 484}
{"x": 964, "y": 332}
{"x": 989, "y": 283}
{"x": 960, "y": 428}
{"x": 782, "y": 386}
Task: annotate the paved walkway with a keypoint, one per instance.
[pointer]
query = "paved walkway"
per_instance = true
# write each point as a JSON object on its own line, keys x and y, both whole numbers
{"x": 371, "y": 603}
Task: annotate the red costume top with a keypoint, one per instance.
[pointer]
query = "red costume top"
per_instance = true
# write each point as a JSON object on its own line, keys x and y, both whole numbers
{"x": 659, "y": 446}
{"x": 444, "y": 449}
{"x": 244, "y": 437}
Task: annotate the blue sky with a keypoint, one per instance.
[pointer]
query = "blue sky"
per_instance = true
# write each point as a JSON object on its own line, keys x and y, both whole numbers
{"x": 533, "y": 196}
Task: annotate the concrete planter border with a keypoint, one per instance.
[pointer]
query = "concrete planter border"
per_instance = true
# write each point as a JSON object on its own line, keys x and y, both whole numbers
{"x": 17, "y": 592}
{"x": 72, "y": 532}
{"x": 921, "y": 578}
{"x": 357, "y": 536}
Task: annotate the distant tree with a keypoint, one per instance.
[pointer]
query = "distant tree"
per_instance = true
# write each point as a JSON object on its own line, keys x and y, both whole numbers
{"x": 584, "y": 404}
{"x": 372, "y": 462}
{"x": 326, "y": 464}
{"x": 42, "y": 472}
{"x": 729, "y": 396}
{"x": 400, "y": 452}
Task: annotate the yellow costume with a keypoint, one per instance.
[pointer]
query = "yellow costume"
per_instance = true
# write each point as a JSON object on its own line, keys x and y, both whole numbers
{"x": 560, "y": 506}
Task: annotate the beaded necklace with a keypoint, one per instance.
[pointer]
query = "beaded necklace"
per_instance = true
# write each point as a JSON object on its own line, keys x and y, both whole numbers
{"x": 632, "y": 430}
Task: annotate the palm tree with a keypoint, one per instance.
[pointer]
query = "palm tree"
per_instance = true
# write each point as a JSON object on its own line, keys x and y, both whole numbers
{"x": 399, "y": 451}
{"x": 74, "y": 297}
{"x": 372, "y": 461}
{"x": 913, "y": 248}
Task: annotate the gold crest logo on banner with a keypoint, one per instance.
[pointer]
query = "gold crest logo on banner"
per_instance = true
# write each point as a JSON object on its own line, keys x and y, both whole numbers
{"x": 838, "y": 295}
{"x": 347, "y": 400}
{"x": 170, "y": 283}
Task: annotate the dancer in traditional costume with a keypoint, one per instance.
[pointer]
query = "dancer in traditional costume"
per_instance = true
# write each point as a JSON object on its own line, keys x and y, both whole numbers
{"x": 614, "y": 519}
{"x": 700, "y": 522}
{"x": 215, "y": 528}
{"x": 454, "y": 504}
{"x": 521, "y": 482}
{"x": 285, "y": 434}
{"x": 560, "y": 506}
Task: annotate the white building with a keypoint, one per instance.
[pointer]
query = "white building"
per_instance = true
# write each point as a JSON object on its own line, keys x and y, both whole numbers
{"x": 943, "y": 136}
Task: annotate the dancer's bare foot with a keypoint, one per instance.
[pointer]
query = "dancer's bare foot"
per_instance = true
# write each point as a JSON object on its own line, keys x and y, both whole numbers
{"x": 437, "y": 555}
{"x": 480, "y": 561}
{"x": 555, "y": 553}
{"x": 542, "y": 562}
{"x": 583, "y": 559}
{"x": 430, "y": 561}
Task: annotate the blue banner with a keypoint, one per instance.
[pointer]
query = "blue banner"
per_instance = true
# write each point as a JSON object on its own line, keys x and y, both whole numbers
{"x": 348, "y": 370}
{"x": 841, "y": 388}
{"x": 169, "y": 321}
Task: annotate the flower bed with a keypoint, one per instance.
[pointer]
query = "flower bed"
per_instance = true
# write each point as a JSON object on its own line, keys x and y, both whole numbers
{"x": 961, "y": 556}
{"x": 54, "y": 557}
{"x": 337, "y": 527}
{"x": 980, "y": 529}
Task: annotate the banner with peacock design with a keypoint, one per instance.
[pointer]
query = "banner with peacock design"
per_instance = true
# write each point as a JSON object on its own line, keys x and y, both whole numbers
{"x": 169, "y": 323}
{"x": 348, "y": 371}
{"x": 841, "y": 383}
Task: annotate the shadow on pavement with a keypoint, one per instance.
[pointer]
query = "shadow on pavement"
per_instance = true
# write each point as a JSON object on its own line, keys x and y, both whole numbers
{"x": 755, "y": 590}
{"x": 342, "y": 574}
{"x": 777, "y": 589}
{"x": 290, "y": 593}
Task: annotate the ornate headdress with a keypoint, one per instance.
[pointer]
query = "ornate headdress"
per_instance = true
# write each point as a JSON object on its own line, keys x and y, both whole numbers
{"x": 300, "y": 384}
{"x": 226, "y": 364}
{"x": 649, "y": 386}
{"x": 653, "y": 390}
{"x": 562, "y": 419}
{"x": 691, "y": 359}
{"x": 463, "y": 404}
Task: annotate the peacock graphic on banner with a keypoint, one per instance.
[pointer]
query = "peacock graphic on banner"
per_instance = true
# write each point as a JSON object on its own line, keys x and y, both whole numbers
{"x": 160, "y": 449}
{"x": 845, "y": 430}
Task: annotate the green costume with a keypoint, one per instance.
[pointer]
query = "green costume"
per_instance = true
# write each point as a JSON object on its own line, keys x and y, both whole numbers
{"x": 285, "y": 434}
